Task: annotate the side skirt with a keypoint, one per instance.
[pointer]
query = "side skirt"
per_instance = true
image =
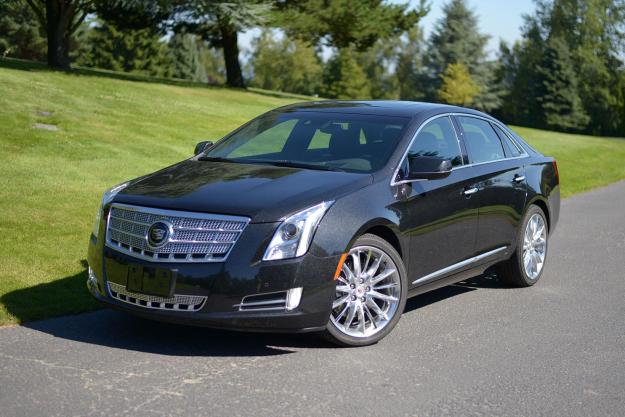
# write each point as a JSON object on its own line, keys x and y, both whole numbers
{"x": 454, "y": 278}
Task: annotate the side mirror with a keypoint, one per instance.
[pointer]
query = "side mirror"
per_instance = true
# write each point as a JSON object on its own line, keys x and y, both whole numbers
{"x": 203, "y": 147}
{"x": 428, "y": 168}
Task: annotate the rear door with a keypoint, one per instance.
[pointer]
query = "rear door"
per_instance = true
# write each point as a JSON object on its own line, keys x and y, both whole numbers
{"x": 500, "y": 181}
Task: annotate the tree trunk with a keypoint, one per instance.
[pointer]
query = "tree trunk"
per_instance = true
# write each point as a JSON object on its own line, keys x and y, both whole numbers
{"x": 59, "y": 17}
{"x": 234, "y": 76}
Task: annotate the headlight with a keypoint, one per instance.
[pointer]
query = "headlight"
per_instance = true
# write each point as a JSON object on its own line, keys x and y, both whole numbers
{"x": 294, "y": 235}
{"x": 106, "y": 198}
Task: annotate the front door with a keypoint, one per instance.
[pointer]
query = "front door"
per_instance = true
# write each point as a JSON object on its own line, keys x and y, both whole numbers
{"x": 440, "y": 215}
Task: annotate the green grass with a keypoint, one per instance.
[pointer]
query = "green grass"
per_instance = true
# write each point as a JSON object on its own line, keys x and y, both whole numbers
{"x": 113, "y": 127}
{"x": 584, "y": 162}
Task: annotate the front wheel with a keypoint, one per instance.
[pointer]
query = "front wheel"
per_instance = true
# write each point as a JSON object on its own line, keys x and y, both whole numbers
{"x": 526, "y": 265}
{"x": 370, "y": 293}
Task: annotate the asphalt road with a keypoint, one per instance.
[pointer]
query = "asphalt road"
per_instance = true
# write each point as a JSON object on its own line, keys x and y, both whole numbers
{"x": 557, "y": 349}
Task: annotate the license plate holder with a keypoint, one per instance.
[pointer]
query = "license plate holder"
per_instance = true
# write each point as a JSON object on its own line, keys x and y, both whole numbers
{"x": 155, "y": 281}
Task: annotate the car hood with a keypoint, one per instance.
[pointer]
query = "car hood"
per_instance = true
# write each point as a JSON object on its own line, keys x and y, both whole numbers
{"x": 265, "y": 193}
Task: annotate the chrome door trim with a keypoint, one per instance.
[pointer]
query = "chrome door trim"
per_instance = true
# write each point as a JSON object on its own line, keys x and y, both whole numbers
{"x": 425, "y": 122}
{"x": 458, "y": 265}
{"x": 470, "y": 191}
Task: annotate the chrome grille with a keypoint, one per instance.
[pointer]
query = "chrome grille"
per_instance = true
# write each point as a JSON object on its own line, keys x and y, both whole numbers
{"x": 177, "y": 302}
{"x": 196, "y": 237}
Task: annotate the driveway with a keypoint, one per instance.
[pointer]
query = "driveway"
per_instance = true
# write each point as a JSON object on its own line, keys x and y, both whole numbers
{"x": 478, "y": 348}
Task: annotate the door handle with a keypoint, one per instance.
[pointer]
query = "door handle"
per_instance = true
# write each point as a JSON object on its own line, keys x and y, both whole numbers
{"x": 519, "y": 178}
{"x": 470, "y": 191}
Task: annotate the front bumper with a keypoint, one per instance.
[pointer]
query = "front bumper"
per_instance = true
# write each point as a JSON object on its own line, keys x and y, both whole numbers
{"x": 225, "y": 284}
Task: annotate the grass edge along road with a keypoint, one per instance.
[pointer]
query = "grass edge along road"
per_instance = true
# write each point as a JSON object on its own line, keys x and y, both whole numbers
{"x": 101, "y": 128}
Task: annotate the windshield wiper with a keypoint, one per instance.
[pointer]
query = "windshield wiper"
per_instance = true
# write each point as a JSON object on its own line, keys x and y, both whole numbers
{"x": 216, "y": 159}
{"x": 292, "y": 164}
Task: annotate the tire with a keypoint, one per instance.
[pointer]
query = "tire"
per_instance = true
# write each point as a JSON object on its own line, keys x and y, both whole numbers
{"x": 357, "y": 295}
{"x": 514, "y": 271}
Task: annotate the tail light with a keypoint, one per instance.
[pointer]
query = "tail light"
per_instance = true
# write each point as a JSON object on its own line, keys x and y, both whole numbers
{"x": 555, "y": 168}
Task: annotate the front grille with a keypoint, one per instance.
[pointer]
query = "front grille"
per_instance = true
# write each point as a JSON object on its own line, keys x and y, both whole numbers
{"x": 195, "y": 237}
{"x": 177, "y": 302}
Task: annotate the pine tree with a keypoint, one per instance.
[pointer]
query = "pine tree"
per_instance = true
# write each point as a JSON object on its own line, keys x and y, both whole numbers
{"x": 285, "y": 65}
{"x": 344, "y": 78}
{"x": 185, "y": 55}
{"x": 20, "y": 36}
{"x": 212, "y": 61}
{"x": 139, "y": 51}
{"x": 457, "y": 86}
{"x": 593, "y": 33}
{"x": 409, "y": 65}
{"x": 560, "y": 101}
{"x": 377, "y": 62}
{"x": 520, "y": 78}
{"x": 456, "y": 39}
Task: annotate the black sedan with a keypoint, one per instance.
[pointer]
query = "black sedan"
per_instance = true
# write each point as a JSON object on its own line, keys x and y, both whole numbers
{"x": 324, "y": 217}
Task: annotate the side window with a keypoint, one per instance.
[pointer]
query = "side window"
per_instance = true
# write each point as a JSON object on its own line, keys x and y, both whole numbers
{"x": 512, "y": 149}
{"x": 437, "y": 139}
{"x": 482, "y": 142}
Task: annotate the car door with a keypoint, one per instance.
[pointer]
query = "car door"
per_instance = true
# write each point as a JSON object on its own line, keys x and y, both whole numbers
{"x": 439, "y": 215}
{"x": 499, "y": 179}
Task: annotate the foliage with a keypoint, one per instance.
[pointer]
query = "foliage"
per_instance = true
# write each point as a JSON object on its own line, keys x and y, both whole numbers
{"x": 20, "y": 36}
{"x": 342, "y": 23}
{"x": 185, "y": 52}
{"x": 592, "y": 32}
{"x": 138, "y": 51}
{"x": 378, "y": 64}
{"x": 456, "y": 39}
{"x": 559, "y": 98}
{"x": 409, "y": 64}
{"x": 285, "y": 65}
{"x": 457, "y": 86}
{"x": 344, "y": 78}
{"x": 59, "y": 19}
{"x": 218, "y": 23}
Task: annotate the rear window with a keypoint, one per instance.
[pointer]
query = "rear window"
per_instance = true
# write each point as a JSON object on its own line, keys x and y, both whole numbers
{"x": 483, "y": 144}
{"x": 512, "y": 150}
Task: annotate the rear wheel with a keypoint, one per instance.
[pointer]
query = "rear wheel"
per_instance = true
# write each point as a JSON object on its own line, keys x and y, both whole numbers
{"x": 370, "y": 294}
{"x": 527, "y": 264}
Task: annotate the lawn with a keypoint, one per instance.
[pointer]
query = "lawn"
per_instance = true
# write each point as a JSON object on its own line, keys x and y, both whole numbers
{"x": 112, "y": 127}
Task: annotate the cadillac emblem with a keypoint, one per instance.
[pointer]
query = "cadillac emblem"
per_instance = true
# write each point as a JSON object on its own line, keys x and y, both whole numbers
{"x": 159, "y": 234}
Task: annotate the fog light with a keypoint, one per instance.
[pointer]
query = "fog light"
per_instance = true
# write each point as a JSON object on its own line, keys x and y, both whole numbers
{"x": 92, "y": 281}
{"x": 293, "y": 297}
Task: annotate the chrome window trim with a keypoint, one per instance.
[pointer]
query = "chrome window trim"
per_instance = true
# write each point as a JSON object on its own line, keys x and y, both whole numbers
{"x": 457, "y": 266}
{"x": 425, "y": 122}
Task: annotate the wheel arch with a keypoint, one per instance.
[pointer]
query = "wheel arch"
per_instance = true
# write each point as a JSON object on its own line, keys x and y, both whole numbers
{"x": 544, "y": 206}
{"x": 386, "y": 230}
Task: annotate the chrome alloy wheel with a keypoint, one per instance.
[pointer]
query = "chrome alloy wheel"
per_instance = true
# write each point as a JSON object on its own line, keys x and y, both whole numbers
{"x": 368, "y": 291}
{"x": 534, "y": 246}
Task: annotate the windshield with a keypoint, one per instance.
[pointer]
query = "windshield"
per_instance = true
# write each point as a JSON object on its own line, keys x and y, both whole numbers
{"x": 330, "y": 141}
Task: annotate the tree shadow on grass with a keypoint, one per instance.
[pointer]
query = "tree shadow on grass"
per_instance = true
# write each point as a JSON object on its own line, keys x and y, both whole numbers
{"x": 33, "y": 66}
{"x": 67, "y": 295}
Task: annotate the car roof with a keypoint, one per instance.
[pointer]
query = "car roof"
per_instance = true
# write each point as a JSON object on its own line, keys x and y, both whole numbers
{"x": 396, "y": 108}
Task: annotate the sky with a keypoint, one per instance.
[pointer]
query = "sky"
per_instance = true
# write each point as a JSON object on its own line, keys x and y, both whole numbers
{"x": 501, "y": 19}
